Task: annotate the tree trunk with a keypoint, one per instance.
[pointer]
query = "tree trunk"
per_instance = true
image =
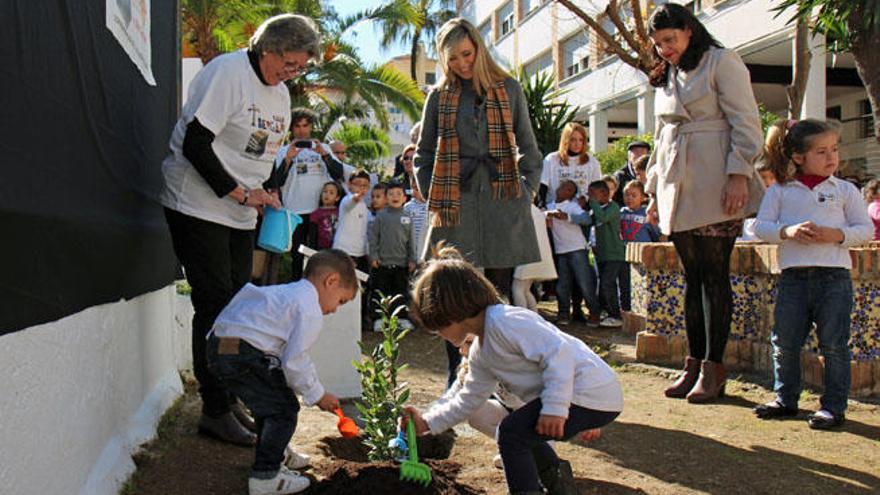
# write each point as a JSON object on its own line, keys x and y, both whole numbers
{"x": 795, "y": 92}
{"x": 414, "y": 54}
{"x": 867, "y": 56}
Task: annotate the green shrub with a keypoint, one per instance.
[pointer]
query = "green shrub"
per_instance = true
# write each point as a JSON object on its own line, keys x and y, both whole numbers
{"x": 383, "y": 397}
{"x": 614, "y": 157}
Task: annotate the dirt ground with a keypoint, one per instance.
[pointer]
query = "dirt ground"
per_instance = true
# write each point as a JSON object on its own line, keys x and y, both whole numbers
{"x": 657, "y": 446}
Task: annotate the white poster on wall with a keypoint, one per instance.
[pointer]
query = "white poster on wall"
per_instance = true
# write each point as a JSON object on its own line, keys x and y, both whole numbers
{"x": 129, "y": 21}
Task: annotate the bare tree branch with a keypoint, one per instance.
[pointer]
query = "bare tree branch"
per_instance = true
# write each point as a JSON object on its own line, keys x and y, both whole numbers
{"x": 801, "y": 70}
{"x": 607, "y": 38}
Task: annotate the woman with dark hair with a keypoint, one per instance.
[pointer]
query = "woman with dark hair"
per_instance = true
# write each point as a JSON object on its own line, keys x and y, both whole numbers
{"x": 702, "y": 180}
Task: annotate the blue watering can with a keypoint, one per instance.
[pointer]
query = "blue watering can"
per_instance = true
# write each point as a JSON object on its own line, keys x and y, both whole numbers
{"x": 277, "y": 229}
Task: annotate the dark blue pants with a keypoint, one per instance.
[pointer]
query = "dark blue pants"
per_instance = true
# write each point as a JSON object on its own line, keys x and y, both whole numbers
{"x": 807, "y": 295}
{"x": 258, "y": 380}
{"x": 609, "y": 275}
{"x": 525, "y": 453}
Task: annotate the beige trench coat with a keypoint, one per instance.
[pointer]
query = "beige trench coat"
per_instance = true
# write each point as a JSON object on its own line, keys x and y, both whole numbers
{"x": 707, "y": 128}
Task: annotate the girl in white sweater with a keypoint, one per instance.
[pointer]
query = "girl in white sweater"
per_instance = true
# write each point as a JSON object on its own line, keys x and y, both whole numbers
{"x": 566, "y": 387}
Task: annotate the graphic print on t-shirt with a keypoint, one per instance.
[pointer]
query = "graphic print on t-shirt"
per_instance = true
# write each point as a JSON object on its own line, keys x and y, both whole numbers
{"x": 258, "y": 144}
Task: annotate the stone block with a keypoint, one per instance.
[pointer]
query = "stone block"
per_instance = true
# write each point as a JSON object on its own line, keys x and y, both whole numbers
{"x": 678, "y": 349}
{"x": 731, "y": 355}
{"x": 672, "y": 261}
{"x": 875, "y": 377}
{"x": 862, "y": 378}
{"x": 652, "y": 348}
{"x": 762, "y": 353}
{"x": 633, "y": 323}
{"x": 744, "y": 347}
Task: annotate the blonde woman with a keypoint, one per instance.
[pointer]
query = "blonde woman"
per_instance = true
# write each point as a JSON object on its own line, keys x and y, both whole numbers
{"x": 478, "y": 160}
{"x": 572, "y": 161}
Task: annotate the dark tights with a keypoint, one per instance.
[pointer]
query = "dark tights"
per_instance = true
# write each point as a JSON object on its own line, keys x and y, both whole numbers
{"x": 706, "y": 261}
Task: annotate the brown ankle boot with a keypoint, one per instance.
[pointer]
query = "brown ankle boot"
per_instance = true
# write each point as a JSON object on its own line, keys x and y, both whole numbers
{"x": 711, "y": 383}
{"x": 685, "y": 382}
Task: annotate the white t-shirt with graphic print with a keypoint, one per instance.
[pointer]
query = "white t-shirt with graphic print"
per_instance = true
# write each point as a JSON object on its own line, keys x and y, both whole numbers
{"x": 301, "y": 192}
{"x": 581, "y": 174}
{"x": 249, "y": 121}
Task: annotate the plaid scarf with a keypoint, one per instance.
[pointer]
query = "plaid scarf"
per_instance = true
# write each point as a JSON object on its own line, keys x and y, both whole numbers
{"x": 444, "y": 198}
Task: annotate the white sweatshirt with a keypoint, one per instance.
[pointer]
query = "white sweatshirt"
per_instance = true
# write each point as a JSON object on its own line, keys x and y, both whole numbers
{"x": 833, "y": 203}
{"x": 532, "y": 359}
{"x": 281, "y": 320}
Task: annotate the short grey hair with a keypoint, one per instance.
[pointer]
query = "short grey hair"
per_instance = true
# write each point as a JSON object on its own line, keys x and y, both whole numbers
{"x": 287, "y": 33}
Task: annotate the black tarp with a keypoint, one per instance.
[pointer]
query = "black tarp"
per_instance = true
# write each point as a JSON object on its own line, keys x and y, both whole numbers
{"x": 83, "y": 137}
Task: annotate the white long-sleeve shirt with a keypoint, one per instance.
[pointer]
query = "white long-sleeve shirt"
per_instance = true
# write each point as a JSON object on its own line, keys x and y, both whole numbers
{"x": 833, "y": 203}
{"x": 351, "y": 228}
{"x": 281, "y": 320}
{"x": 531, "y": 358}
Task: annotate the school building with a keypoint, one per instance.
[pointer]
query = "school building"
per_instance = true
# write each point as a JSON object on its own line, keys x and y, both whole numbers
{"x": 616, "y": 99}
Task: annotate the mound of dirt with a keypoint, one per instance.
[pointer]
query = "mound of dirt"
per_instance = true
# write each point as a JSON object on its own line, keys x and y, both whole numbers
{"x": 352, "y": 449}
{"x": 343, "y": 477}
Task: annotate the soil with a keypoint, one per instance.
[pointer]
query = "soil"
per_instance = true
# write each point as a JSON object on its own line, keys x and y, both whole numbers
{"x": 346, "y": 477}
{"x": 352, "y": 449}
{"x": 656, "y": 446}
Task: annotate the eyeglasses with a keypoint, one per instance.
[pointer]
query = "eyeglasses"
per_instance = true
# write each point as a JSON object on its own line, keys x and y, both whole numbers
{"x": 407, "y": 158}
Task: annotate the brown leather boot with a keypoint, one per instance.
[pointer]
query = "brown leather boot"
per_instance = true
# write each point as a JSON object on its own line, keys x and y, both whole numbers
{"x": 710, "y": 384}
{"x": 685, "y": 382}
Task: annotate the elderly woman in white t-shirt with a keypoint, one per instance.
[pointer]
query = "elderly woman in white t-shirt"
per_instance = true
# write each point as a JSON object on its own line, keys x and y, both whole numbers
{"x": 571, "y": 162}
{"x": 222, "y": 150}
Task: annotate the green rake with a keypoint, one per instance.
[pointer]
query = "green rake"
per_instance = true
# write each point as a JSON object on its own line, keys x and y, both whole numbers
{"x": 412, "y": 469}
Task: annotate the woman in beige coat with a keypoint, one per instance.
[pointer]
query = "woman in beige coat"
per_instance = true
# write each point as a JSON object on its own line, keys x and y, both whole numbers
{"x": 702, "y": 180}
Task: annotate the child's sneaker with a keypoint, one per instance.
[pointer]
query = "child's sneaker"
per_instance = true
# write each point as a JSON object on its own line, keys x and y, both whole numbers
{"x": 295, "y": 460}
{"x": 405, "y": 324}
{"x": 285, "y": 482}
{"x": 610, "y": 321}
{"x": 497, "y": 462}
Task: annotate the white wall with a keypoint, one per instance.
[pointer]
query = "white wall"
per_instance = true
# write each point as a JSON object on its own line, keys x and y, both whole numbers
{"x": 80, "y": 394}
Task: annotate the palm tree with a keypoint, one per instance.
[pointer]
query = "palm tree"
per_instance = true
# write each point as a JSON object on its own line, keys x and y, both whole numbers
{"x": 366, "y": 145}
{"x": 548, "y": 111}
{"x": 849, "y": 26}
{"x": 414, "y": 22}
{"x": 208, "y": 25}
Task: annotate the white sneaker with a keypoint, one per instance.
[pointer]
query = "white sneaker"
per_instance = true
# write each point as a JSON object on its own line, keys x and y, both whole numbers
{"x": 295, "y": 460}
{"x": 405, "y": 324}
{"x": 377, "y": 326}
{"x": 497, "y": 462}
{"x": 286, "y": 481}
{"x": 610, "y": 321}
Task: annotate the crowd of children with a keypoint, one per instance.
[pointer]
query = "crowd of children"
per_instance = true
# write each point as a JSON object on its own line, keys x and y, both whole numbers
{"x": 523, "y": 381}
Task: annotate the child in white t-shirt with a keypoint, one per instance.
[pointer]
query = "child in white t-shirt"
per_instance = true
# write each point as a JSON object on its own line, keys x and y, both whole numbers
{"x": 565, "y": 386}
{"x": 572, "y": 260}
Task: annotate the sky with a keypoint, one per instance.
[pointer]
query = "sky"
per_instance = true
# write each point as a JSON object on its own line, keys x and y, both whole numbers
{"x": 364, "y": 37}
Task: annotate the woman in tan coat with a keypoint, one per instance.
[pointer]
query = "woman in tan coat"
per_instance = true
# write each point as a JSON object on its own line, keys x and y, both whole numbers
{"x": 702, "y": 180}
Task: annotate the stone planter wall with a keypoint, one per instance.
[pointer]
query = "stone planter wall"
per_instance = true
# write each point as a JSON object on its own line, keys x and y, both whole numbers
{"x": 658, "y": 311}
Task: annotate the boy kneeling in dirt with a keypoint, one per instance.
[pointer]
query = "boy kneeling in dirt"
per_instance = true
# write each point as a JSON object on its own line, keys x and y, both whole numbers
{"x": 260, "y": 347}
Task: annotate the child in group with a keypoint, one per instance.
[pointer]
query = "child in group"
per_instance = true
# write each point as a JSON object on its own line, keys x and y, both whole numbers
{"x": 539, "y": 271}
{"x": 354, "y": 217}
{"x": 417, "y": 209}
{"x": 322, "y": 222}
{"x": 872, "y": 197}
{"x": 765, "y": 170}
{"x": 815, "y": 217}
{"x": 610, "y": 250}
{"x": 565, "y": 386}
{"x": 259, "y": 346}
{"x": 570, "y": 245}
{"x": 641, "y": 168}
{"x": 392, "y": 254}
{"x": 612, "y": 185}
{"x": 634, "y": 227}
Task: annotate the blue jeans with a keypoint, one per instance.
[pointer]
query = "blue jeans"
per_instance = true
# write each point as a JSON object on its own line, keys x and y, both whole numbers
{"x": 258, "y": 380}
{"x": 525, "y": 453}
{"x": 807, "y": 295}
{"x": 574, "y": 267}
{"x": 609, "y": 273}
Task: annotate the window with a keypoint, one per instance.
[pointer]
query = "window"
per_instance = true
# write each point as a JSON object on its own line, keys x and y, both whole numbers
{"x": 527, "y": 6}
{"x": 540, "y": 64}
{"x": 486, "y": 31}
{"x": 505, "y": 18}
{"x": 695, "y": 6}
{"x": 430, "y": 78}
{"x": 833, "y": 112}
{"x": 576, "y": 54}
{"x": 866, "y": 128}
